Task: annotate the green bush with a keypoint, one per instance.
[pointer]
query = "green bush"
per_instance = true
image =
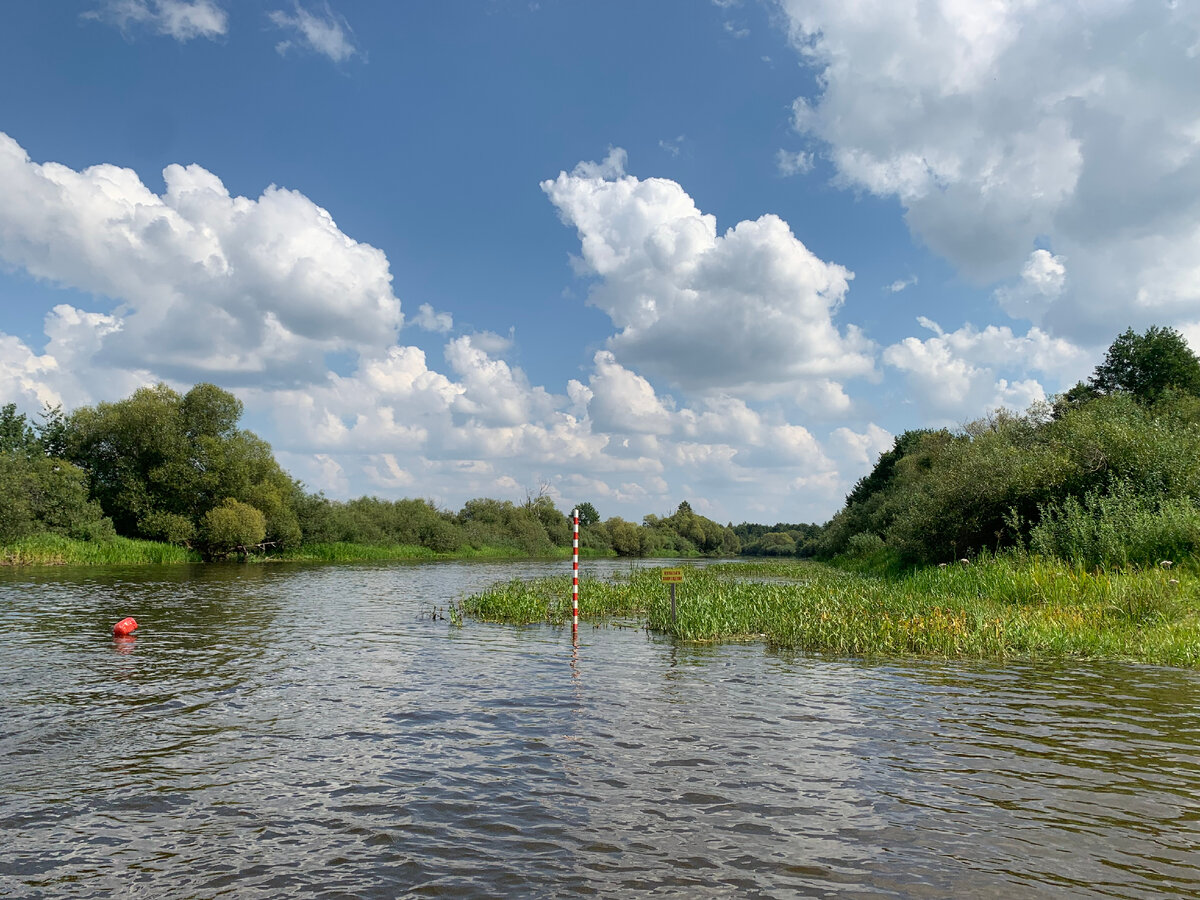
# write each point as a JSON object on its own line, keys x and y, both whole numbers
{"x": 232, "y": 526}
{"x": 1118, "y": 529}
{"x": 168, "y": 527}
{"x": 863, "y": 544}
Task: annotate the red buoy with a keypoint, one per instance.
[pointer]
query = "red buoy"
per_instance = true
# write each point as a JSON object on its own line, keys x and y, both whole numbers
{"x": 126, "y": 626}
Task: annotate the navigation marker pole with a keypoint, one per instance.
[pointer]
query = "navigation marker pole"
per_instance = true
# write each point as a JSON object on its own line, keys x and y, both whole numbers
{"x": 575, "y": 576}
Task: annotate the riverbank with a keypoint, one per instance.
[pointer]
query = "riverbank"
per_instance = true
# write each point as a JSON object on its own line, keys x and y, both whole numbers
{"x": 1014, "y": 606}
{"x": 55, "y": 550}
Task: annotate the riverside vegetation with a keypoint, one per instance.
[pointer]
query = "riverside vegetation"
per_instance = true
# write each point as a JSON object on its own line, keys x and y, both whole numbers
{"x": 1072, "y": 530}
{"x": 167, "y": 477}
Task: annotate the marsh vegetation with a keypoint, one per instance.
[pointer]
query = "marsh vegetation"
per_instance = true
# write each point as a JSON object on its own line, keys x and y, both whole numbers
{"x": 1014, "y": 606}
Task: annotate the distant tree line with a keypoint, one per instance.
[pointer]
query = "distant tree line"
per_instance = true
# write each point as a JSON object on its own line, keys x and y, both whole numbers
{"x": 683, "y": 533}
{"x": 177, "y": 468}
{"x": 780, "y": 539}
{"x": 1108, "y": 473}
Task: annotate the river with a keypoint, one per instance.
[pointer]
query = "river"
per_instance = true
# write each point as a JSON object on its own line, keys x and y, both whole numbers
{"x": 313, "y": 731}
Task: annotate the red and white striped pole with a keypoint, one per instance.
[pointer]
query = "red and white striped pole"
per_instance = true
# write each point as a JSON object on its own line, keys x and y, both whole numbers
{"x": 575, "y": 574}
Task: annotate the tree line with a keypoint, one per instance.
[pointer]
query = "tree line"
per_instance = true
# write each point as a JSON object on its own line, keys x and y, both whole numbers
{"x": 1106, "y": 474}
{"x": 177, "y": 468}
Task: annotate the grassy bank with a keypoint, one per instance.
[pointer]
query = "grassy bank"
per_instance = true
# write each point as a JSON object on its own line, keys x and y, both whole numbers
{"x": 53, "y": 550}
{"x": 1011, "y": 607}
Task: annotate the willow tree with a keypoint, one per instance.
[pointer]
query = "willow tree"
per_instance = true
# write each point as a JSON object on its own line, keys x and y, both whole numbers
{"x": 159, "y": 461}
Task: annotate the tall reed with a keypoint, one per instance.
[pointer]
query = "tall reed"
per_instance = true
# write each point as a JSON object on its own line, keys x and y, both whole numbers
{"x": 55, "y": 550}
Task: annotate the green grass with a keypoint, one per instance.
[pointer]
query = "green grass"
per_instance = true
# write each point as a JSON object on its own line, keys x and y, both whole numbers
{"x": 339, "y": 552}
{"x": 54, "y": 550}
{"x": 1012, "y": 607}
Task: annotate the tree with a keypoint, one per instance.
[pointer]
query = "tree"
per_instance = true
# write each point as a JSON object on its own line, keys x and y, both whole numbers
{"x": 38, "y": 495}
{"x": 1148, "y": 365}
{"x": 625, "y": 537}
{"x": 16, "y": 436}
{"x": 588, "y": 514}
{"x": 52, "y": 431}
{"x": 158, "y": 457}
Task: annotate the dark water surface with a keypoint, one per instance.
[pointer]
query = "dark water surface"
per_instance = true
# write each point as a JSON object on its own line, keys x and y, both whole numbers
{"x": 290, "y": 731}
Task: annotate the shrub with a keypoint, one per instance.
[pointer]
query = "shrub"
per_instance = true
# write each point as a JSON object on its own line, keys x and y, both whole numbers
{"x": 864, "y": 544}
{"x": 168, "y": 527}
{"x": 1118, "y": 528}
{"x": 231, "y": 526}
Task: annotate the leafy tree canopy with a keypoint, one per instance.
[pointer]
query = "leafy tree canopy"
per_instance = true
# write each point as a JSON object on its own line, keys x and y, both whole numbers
{"x": 1147, "y": 365}
{"x": 158, "y": 459}
{"x": 588, "y": 514}
{"x": 16, "y": 435}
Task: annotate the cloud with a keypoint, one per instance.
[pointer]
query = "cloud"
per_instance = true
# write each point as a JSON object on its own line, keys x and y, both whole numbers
{"x": 429, "y": 320}
{"x": 384, "y": 471}
{"x": 322, "y": 31}
{"x": 957, "y": 375}
{"x": 208, "y": 286}
{"x": 798, "y": 163}
{"x": 494, "y": 344}
{"x": 252, "y": 294}
{"x": 180, "y": 19}
{"x": 493, "y": 393}
{"x": 861, "y": 449}
{"x": 1001, "y": 125}
{"x": 900, "y": 284}
{"x": 1043, "y": 278}
{"x": 622, "y": 401}
{"x": 672, "y": 146}
{"x": 749, "y": 310}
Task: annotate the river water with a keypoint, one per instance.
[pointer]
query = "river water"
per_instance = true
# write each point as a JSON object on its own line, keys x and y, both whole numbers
{"x": 312, "y": 731}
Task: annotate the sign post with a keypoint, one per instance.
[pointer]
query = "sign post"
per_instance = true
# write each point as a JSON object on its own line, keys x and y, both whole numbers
{"x": 672, "y": 577}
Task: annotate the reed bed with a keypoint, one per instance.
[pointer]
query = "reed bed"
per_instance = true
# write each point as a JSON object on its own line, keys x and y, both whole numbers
{"x": 998, "y": 608}
{"x": 342, "y": 552}
{"x": 54, "y": 550}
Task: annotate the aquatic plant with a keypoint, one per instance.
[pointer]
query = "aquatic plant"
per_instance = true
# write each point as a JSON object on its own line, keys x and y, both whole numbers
{"x": 1012, "y": 606}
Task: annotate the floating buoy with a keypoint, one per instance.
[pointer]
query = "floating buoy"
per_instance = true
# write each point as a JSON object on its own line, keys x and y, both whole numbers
{"x": 127, "y": 625}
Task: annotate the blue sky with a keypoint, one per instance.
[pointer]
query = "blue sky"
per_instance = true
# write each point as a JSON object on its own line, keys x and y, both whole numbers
{"x": 627, "y": 252}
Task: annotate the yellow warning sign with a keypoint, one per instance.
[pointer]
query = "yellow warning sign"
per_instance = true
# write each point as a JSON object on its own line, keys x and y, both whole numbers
{"x": 672, "y": 575}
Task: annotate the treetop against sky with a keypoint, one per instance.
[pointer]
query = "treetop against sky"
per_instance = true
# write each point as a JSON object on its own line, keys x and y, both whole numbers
{"x": 634, "y": 253}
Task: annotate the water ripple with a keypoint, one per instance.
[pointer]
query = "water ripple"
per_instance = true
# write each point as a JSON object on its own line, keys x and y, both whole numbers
{"x": 312, "y": 732}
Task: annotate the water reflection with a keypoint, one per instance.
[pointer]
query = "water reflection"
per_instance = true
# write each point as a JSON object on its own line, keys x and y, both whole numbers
{"x": 312, "y": 731}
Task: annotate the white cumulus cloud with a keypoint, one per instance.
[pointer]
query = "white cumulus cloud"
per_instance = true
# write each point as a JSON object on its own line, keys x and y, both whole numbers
{"x": 961, "y": 374}
{"x": 1043, "y": 278}
{"x": 208, "y": 285}
{"x": 748, "y": 310}
{"x": 799, "y": 162}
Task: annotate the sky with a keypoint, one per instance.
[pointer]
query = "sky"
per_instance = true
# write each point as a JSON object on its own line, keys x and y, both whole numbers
{"x": 627, "y": 252}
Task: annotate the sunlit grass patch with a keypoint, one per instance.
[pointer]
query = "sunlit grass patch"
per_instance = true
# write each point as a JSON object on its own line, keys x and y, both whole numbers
{"x": 55, "y": 550}
{"x": 342, "y": 552}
